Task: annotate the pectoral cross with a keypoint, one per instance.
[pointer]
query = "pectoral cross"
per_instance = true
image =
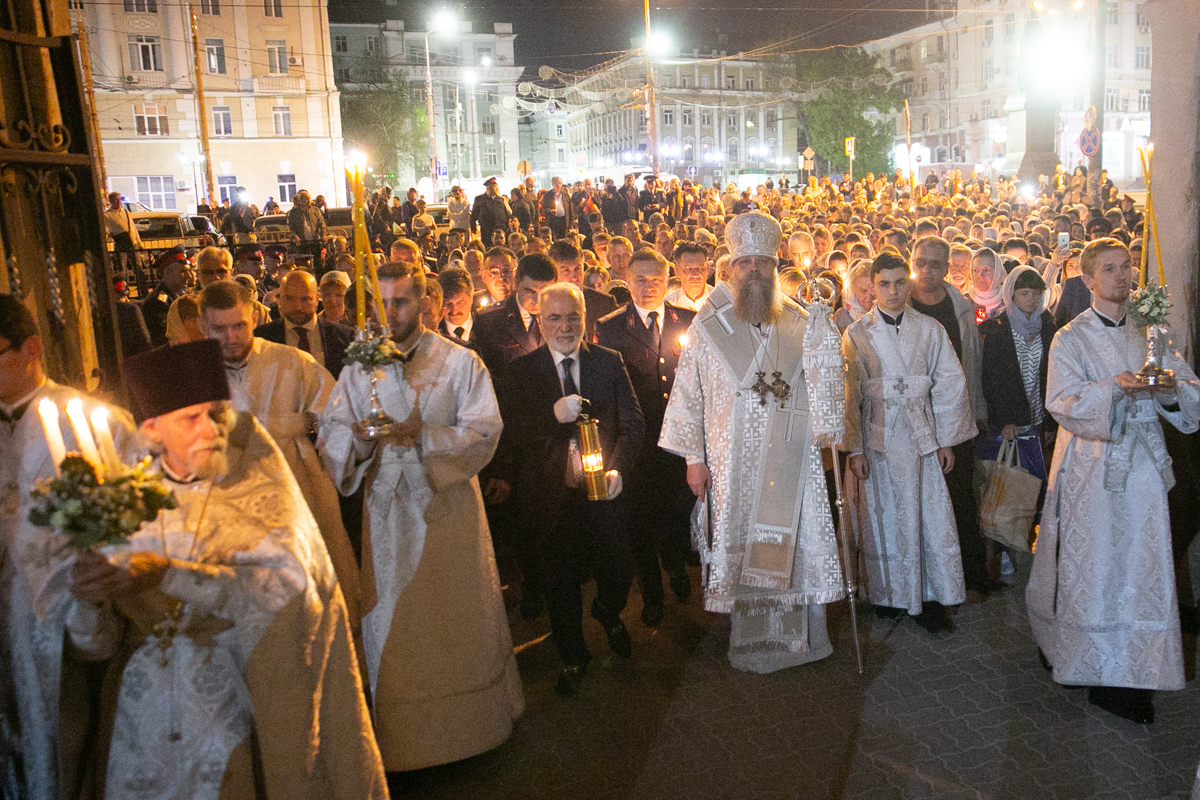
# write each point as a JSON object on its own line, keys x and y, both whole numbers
{"x": 901, "y": 386}
{"x": 762, "y": 388}
{"x": 780, "y": 388}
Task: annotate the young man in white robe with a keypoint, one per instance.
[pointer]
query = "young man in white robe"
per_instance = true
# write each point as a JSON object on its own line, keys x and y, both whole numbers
{"x": 443, "y": 676}
{"x": 1101, "y": 595}
{"x": 758, "y": 391}
{"x": 231, "y": 672}
{"x": 906, "y": 408}
{"x": 44, "y": 698}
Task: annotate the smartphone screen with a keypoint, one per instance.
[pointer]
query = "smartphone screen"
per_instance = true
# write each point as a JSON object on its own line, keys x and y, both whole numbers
{"x": 1064, "y": 241}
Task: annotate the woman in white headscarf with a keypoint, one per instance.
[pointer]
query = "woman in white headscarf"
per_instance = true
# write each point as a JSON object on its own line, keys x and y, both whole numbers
{"x": 987, "y": 282}
{"x": 858, "y": 294}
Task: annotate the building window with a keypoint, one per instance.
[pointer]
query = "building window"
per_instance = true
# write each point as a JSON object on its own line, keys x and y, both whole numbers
{"x": 706, "y": 119}
{"x": 989, "y": 32}
{"x": 150, "y": 119}
{"x": 943, "y": 122}
{"x": 339, "y": 44}
{"x": 1112, "y": 99}
{"x": 491, "y": 157}
{"x": 1142, "y": 22}
{"x": 487, "y": 125}
{"x": 668, "y": 116}
{"x": 343, "y": 74}
{"x": 924, "y": 87}
{"x": 372, "y": 44}
{"x": 1114, "y": 10}
{"x": 1008, "y": 64}
{"x": 1143, "y": 99}
{"x": 282, "y": 116}
{"x": 769, "y": 121}
{"x": 1010, "y": 25}
{"x": 731, "y": 121}
{"x": 558, "y": 130}
{"x": 705, "y": 81}
{"x": 925, "y": 122}
{"x": 683, "y": 82}
{"x": 142, "y": 6}
{"x": 687, "y": 117}
{"x": 749, "y": 84}
{"x": 215, "y": 48}
{"x": 225, "y": 187}
{"x": 273, "y": 8}
{"x": 210, "y": 7}
{"x": 987, "y": 109}
{"x": 287, "y": 187}
{"x": 924, "y": 49}
{"x": 277, "y": 62}
{"x": 1143, "y": 57}
{"x": 989, "y": 69}
{"x": 145, "y": 53}
{"x": 892, "y": 57}
{"x": 222, "y": 121}
{"x": 731, "y": 150}
{"x": 156, "y": 192}
{"x": 731, "y": 82}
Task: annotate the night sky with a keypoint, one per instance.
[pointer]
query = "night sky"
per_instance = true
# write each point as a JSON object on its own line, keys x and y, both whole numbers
{"x": 576, "y": 34}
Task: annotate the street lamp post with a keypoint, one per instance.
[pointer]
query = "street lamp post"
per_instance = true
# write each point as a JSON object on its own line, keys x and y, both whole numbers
{"x": 443, "y": 20}
{"x": 651, "y": 117}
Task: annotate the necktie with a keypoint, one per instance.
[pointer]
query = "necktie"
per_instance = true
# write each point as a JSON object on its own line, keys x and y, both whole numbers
{"x": 302, "y": 336}
{"x": 574, "y": 452}
{"x": 535, "y": 332}
{"x": 459, "y": 331}
{"x": 655, "y": 335}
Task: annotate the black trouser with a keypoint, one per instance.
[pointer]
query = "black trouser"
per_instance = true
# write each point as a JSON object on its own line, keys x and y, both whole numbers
{"x": 558, "y": 225}
{"x": 661, "y": 504}
{"x": 591, "y": 536}
{"x": 960, "y": 482}
{"x": 516, "y": 555}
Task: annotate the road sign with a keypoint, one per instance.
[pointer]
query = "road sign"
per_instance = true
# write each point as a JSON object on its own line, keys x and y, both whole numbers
{"x": 809, "y": 164}
{"x": 850, "y": 146}
{"x": 1089, "y": 141}
{"x": 918, "y": 159}
{"x": 524, "y": 169}
{"x": 442, "y": 171}
{"x": 809, "y": 153}
{"x": 692, "y": 171}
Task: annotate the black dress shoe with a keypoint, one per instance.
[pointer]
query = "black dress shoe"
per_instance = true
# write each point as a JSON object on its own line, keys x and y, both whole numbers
{"x": 1135, "y": 705}
{"x": 934, "y": 618}
{"x": 681, "y": 585}
{"x": 570, "y": 681}
{"x": 531, "y": 605}
{"x": 887, "y": 612}
{"x": 1046, "y": 665}
{"x": 618, "y": 640}
{"x": 652, "y": 615}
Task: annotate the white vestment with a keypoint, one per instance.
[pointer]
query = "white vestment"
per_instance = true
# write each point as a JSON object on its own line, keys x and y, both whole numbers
{"x": 906, "y": 396}
{"x": 1101, "y": 595}
{"x": 714, "y": 417}
{"x": 37, "y": 610}
{"x": 286, "y": 390}
{"x": 439, "y": 654}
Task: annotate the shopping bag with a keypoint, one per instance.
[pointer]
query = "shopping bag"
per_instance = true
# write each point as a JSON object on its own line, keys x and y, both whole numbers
{"x": 1009, "y": 502}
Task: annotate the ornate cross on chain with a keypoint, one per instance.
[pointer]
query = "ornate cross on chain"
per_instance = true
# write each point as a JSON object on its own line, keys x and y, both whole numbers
{"x": 901, "y": 386}
{"x": 778, "y": 387}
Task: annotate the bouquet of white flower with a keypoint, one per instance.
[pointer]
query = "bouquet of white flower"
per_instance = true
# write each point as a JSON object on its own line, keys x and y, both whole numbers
{"x": 372, "y": 351}
{"x": 1149, "y": 306}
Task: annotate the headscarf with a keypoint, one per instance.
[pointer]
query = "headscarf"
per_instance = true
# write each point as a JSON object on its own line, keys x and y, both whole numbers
{"x": 993, "y": 297}
{"x": 1024, "y": 325}
{"x": 849, "y": 301}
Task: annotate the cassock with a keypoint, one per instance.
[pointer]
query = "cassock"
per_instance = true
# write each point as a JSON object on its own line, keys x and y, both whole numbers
{"x": 906, "y": 396}
{"x": 258, "y": 684}
{"x": 439, "y": 654}
{"x": 1101, "y": 595}
{"x": 286, "y": 390}
{"x": 772, "y": 560}
{"x": 45, "y": 682}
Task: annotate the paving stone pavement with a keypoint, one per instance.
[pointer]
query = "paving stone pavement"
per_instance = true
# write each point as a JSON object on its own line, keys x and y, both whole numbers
{"x": 968, "y": 714}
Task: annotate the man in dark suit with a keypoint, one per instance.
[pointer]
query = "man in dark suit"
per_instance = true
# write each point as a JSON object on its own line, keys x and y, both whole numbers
{"x": 300, "y": 327}
{"x": 648, "y": 333}
{"x": 496, "y": 273}
{"x": 458, "y": 313}
{"x": 489, "y": 211}
{"x": 556, "y": 209}
{"x": 503, "y": 334}
{"x": 541, "y": 397}
{"x": 568, "y": 262}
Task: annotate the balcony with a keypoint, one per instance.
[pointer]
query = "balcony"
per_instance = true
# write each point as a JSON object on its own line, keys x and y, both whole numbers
{"x": 278, "y": 84}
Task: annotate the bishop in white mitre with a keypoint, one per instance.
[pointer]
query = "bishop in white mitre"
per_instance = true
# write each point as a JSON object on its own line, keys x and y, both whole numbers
{"x": 758, "y": 391}
{"x": 443, "y": 676}
{"x": 906, "y": 407}
{"x": 1101, "y": 594}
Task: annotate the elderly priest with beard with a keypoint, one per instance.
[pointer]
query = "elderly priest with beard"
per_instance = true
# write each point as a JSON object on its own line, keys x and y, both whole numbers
{"x": 232, "y": 674}
{"x": 759, "y": 390}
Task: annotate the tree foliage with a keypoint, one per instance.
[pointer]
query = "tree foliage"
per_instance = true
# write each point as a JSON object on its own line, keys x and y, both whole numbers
{"x": 837, "y": 89}
{"x": 382, "y": 116}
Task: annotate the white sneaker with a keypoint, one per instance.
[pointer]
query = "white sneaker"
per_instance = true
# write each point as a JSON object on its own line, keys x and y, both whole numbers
{"x": 1006, "y": 564}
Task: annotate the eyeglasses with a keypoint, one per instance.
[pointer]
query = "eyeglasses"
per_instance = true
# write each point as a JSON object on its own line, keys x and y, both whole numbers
{"x": 557, "y": 319}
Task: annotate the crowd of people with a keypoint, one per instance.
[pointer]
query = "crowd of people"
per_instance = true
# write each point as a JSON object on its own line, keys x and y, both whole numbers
{"x": 737, "y": 349}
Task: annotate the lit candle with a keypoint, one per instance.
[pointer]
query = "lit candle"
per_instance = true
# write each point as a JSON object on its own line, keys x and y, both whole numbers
{"x": 54, "y": 439}
{"x": 83, "y": 434}
{"x": 112, "y": 461}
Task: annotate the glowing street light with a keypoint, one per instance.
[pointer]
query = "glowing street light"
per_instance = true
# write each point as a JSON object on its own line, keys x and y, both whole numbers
{"x": 443, "y": 23}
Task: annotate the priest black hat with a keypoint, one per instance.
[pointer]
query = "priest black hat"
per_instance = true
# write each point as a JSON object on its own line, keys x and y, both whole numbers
{"x": 169, "y": 378}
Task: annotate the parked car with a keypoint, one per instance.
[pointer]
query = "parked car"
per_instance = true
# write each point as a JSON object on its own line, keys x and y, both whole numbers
{"x": 340, "y": 222}
{"x": 162, "y": 230}
{"x": 272, "y": 229}
{"x": 209, "y": 235}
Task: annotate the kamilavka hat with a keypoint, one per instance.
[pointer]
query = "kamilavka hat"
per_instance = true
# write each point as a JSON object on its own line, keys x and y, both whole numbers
{"x": 169, "y": 378}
